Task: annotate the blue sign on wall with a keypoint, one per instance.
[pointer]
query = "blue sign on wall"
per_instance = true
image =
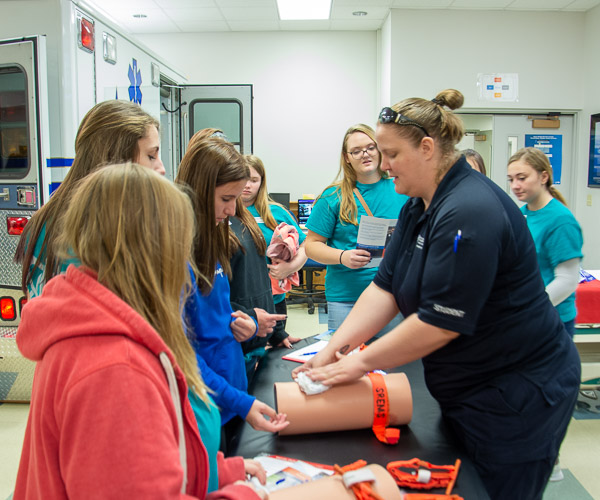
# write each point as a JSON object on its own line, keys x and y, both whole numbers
{"x": 551, "y": 145}
{"x": 594, "y": 162}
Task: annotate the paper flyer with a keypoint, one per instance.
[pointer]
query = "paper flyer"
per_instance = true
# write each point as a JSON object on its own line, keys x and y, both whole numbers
{"x": 374, "y": 233}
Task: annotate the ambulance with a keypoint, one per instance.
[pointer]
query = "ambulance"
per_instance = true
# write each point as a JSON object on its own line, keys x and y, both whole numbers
{"x": 58, "y": 58}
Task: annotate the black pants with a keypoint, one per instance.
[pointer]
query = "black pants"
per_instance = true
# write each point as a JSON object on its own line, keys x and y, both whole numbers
{"x": 512, "y": 430}
{"x": 281, "y": 308}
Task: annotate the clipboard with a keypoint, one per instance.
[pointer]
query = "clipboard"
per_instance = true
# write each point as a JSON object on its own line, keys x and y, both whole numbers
{"x": 306, "y": 353}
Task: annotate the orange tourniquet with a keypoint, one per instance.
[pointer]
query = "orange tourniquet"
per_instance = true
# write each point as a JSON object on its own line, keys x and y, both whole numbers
{"x": 381, "y": 407}
{"x": 362, "y": 491}
{"x": 437, "y": 476}
{"x": 430, "y": 496}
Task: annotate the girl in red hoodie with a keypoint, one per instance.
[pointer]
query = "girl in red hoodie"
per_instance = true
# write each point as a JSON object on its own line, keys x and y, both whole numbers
{"x": 109, "y": 412}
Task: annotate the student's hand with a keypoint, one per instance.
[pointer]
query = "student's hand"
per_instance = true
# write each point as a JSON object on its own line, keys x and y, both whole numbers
{"x": 287, "y": 342}
{"x": 242, "y": 326}
{"x": 266, "y": 321}
{"x": 355, "y": 259}
{"x": 346, "y": 369}
{"x": 255, "y": 469}
{"x": 280, "y": 269}
{"x": 258, "y": 412}
{"x": 262, "y": 493}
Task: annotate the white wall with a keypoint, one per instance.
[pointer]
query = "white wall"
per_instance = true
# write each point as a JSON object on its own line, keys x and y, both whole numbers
{"x": 309, "y": 87}
{"x": 589, "y": 215}
{"x": 438, "y": 49}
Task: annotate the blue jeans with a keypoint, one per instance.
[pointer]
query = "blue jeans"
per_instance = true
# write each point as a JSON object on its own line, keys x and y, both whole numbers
{"x": 337, "y": 312}
{"x": 570, "y": 327}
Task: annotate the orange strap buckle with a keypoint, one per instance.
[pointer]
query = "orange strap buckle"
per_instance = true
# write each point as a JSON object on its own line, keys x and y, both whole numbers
{"x": 420, "y": 475}
{"x": 381, "y": 411}
{"x": 363, "y": 490}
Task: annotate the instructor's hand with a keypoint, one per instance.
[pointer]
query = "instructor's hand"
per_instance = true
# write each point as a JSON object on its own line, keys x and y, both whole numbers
{"x": 346, "y": 369}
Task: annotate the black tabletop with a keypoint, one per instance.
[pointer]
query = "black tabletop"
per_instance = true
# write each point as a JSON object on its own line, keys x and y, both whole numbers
{"x": 426, "y": 437}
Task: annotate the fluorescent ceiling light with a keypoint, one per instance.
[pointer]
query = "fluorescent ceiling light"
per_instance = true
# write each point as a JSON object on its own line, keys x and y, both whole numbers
{"x": 303, "y": 9}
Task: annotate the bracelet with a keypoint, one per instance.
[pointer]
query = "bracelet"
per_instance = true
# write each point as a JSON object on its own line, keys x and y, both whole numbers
{"x": 341, "y": 256}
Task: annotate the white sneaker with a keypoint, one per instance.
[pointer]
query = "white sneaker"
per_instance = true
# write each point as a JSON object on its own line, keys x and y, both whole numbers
{"x": 557, "y": 473}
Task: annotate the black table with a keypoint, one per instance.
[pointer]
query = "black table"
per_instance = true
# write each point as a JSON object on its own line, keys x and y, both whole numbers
{"x": 426, "y": 437}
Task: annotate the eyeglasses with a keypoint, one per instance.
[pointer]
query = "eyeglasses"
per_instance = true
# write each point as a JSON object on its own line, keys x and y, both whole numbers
{"x": 388, "y": 115}
{"x": 357, "y": 154}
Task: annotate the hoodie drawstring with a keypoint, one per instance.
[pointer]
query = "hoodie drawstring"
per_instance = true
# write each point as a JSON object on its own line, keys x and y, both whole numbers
{"x": 174, "y": 389}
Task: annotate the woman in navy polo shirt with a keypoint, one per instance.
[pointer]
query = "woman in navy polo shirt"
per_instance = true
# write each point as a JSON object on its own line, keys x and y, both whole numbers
{"x": 496, "y": 355}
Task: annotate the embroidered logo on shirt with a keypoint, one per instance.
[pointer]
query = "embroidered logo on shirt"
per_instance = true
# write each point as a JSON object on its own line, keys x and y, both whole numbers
{"x": 448, "y": 310}
{"x": 219, "y": 271}
{"x": 420, "y": 242}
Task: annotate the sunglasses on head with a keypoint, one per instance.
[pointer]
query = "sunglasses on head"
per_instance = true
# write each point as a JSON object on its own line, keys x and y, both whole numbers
{"x": 388, "y": 115}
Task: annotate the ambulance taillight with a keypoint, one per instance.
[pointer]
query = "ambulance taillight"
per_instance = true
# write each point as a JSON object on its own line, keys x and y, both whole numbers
{"x": 16, "y": 225}
{"x": 8, "y": 311}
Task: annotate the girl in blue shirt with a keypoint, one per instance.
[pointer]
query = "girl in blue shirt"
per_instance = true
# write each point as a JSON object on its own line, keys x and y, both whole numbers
{"x": 216, "y": 174}
{"x": 335, "y": 217}
{"x": 556, "y": 232}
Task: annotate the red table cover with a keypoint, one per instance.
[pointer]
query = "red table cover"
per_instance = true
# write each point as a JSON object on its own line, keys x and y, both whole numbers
{"x": 587, "y": 300}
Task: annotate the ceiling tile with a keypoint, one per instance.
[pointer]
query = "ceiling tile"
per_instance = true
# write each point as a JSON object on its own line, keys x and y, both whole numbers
{"x": 421, "y": 4}
{"x": 182, "y": 4}
{"x": 319, "y": 25}
{"x": 200, "y": 14}
{"x": 202, "y": 26}
{"x": 356, "y": 25}
{"x": 253, "y": 25}
{"x": 246, "y": 3}
{"x": 345, "y": 12}
{"x": 539, "y": 4}
{"x": 583, "y": 5}
{"x": 250, "y": 13}
{"x": 363, "y": 4}
{"x": 480, "y": 4}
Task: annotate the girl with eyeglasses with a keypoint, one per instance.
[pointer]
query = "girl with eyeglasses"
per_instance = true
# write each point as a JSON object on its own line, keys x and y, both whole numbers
{"x": 360, "y": 187}
{"x": 461, "y": 267}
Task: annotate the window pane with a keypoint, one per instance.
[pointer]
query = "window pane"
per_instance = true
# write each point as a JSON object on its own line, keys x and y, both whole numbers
{"x": 224, "y": 115}
{"x": 14, "y": 144}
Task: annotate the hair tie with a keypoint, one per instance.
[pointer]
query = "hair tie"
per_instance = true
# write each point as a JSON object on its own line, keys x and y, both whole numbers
{"x": 437, "y": 101}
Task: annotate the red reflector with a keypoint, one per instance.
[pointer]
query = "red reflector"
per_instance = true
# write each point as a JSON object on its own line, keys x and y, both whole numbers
{"x": 7, "y": 309}
{"x": 22, "y": 302}
{"x": 87, "y": 34}
{"x": 15, "y": 225}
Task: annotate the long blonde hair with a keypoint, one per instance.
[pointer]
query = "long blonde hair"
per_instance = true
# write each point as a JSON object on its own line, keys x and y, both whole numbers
{"x": 537, "y": 160}
{"x": 262, "y": 200}
{"x": 109, "y": 133}
{"x": 346, "y": 179}
{"x": 136, "y": 229}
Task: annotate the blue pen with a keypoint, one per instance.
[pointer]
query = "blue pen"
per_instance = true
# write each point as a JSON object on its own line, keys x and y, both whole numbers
{"x": 457, "y": 238}
{"x": 308, "y": 353}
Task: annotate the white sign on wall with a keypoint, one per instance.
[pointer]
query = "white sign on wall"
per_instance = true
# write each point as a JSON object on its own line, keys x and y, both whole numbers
{"x": 502, "y": 87}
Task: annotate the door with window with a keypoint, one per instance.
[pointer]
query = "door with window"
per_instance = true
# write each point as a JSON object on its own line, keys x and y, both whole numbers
{"x": 225, "y": 107}
{"x": 498, "y": 136}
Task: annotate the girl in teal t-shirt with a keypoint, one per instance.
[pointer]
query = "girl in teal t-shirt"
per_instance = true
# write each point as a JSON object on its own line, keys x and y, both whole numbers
{"x": 269, "y": 214}
{"x": 555, "y": 231}
{"x": 335, "y": 217}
